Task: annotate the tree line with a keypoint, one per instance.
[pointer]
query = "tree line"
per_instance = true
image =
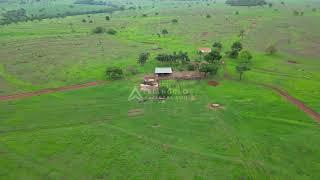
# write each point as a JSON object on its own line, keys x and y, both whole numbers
{"x": 246, "y": 2}
{"x": 20, "y": 15}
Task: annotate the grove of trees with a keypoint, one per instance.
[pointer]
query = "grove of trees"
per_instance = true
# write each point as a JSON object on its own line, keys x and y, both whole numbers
{"x": 173, "y": 58}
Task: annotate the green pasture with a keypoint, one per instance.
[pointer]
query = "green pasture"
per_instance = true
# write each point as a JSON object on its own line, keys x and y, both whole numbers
{"x": 89, "y": 134}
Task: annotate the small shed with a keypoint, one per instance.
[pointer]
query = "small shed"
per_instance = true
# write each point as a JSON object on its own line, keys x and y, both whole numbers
{"x": 163, "y": 71}
{"x": 205, "y": 50}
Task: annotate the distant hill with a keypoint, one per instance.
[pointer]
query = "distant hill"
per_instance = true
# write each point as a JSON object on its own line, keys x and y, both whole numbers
{"x": 246, "y": 2}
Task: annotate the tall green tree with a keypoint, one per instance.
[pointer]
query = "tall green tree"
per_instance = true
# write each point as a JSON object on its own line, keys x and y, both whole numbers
{"x": 241, "y": 33}
{"x": 143, "y": 57}
{"x": 164, "y": 32}
{"x": 235, "y": 49}
{"x": 244, "y": 63}
{"x": 271, "y": 50}
{"x": 213, "y": 56}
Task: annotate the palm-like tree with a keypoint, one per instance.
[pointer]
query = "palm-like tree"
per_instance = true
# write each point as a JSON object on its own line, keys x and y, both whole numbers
{"x": 164, "y": 32}
{"x": 241, "y": 34}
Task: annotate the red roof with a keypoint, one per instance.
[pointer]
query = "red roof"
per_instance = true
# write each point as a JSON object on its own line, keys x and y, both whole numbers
{"x": 205, "y": 50}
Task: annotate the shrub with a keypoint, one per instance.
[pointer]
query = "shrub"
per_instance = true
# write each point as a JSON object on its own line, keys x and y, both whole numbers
{"x": 296, "y": 13}
{"x": 271, "y": 50}
{"x": 174, "y": 20}
{"x": 99, "y": 30}
{"x": 112, "y": 31}
{"x": 114, "y": 73}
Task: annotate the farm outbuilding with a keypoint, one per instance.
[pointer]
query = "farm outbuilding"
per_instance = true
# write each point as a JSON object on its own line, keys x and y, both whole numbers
{"x": 163, "y": 71}
{"x": 205, "y": 50}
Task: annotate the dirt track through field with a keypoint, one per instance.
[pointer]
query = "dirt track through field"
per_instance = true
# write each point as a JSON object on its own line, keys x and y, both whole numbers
{"x": 309, "y": 111}
{"x": 49, "y": 91}
{"x": 312, "y": 113}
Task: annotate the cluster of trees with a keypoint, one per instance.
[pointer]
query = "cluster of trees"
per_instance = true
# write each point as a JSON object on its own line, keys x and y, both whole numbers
{"x": 213, "y": 60}
{"x": 14, "y": 16}
{"x": 246, "y": 2}
{"x": 173, "y": 58}
{"x": 243, "y": 58}
{"x": 210, "y": 66}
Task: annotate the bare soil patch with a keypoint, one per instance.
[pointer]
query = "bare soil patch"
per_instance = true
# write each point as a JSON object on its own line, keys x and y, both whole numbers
{"x": 135, "y": 112}
{"x": 156, "y": 126}
{"x": 204, "y": 33}
{"x": 184, "y": 75}
{"x": 213, "y": 83}
{"x": 214, "y": 106}
{"x": 292, "y": 62}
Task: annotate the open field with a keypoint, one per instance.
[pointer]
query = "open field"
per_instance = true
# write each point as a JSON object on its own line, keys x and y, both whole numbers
{"x": 95, "y": 132}
{"x": 188, "y": 140}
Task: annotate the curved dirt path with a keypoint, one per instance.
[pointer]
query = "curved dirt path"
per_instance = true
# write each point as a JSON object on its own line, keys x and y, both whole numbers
{"x": 309, "y": 111}
{"x": 49, "y": 91}
{"x": 312, "y": 113}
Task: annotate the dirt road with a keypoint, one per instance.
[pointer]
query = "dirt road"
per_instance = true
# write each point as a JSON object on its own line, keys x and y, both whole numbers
{"x": 312, "y": 113}
{"x": 49, "y": 91}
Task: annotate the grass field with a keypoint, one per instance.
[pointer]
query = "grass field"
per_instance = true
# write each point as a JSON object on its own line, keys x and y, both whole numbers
{"x": 90, "y": 133}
